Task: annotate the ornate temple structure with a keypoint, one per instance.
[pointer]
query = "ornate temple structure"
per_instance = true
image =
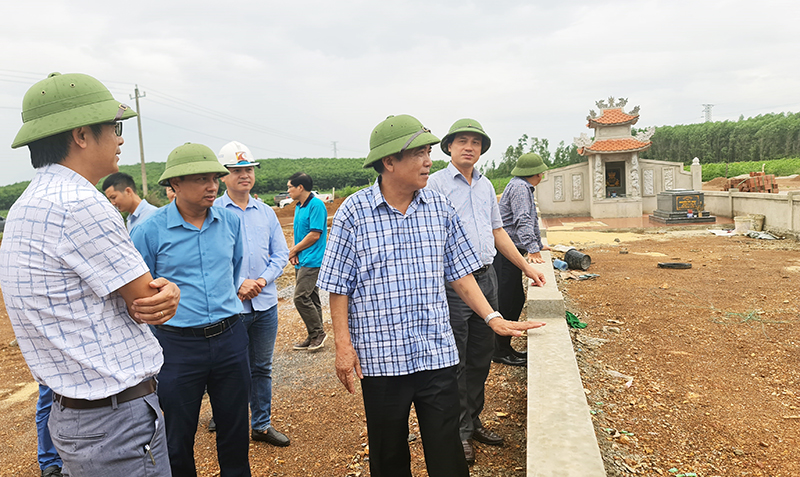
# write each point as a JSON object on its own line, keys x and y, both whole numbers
{"x": 613, "y": 182}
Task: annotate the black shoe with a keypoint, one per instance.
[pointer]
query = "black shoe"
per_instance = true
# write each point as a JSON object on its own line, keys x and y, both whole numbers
{"x": 486, "y": 436}
{"x": 270, "y": 436}
{"x": 52, "y": 471}
{"x": 510, "y": 360}
{"x": 469, "y": 452}
{"x": 520, "y": 354}
{"x": 212, "y": 426}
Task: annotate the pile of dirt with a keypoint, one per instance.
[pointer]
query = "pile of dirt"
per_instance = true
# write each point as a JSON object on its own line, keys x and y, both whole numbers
{"x": 717, "y": 183}
{"x": 286, "y": 214}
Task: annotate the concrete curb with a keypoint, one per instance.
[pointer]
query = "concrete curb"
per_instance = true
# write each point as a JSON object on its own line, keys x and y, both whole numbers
{"x": 561, "y": 439}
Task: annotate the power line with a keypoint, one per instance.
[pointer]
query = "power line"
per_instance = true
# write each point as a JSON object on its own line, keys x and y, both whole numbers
{"x": 25, "y": 77}
{"x": 218, "y": 137}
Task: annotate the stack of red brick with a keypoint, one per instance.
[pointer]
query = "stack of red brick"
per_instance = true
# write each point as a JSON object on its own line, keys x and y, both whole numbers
{"x": 757, "y": 182}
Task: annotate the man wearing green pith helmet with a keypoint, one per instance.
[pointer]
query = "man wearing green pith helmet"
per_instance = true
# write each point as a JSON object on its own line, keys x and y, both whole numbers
{"x": 77, "y": 292}
{"x": 392, "y": 246}
{"x": 200, "y": 248}
{"x": 476, "y": 203}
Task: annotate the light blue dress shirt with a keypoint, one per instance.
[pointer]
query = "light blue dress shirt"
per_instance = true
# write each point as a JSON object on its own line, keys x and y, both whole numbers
{"x": 143, "y": 210}
{"x": 205, "y": 263}
{"x": 265, "y": 250}
{"x": 476, "y": 205}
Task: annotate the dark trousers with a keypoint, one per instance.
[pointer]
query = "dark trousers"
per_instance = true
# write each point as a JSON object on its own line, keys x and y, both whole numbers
{"x": 510, "y": 297}
{"x": 475, "y": 342}
{"x": 387, "y": 403}
{"x": 191, "y": 365}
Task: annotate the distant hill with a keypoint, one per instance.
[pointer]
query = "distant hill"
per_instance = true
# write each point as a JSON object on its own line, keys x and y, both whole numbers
{"x": 271, "y": 177}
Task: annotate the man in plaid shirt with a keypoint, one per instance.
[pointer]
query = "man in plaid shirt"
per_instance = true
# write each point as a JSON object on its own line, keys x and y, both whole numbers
{"x": 391, "y": 248}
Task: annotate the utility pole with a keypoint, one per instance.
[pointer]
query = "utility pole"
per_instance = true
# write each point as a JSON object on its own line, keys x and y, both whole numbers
{"x": 334, "y": 148}
{"x": 141, "y": 143}
{"x": 707, "y": 112}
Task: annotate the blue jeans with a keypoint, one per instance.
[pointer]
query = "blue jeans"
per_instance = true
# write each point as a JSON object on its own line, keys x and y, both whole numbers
{"x": 192, "y": 364}
{"x": 262, "y": 330}
{"x": 45, "y": 450}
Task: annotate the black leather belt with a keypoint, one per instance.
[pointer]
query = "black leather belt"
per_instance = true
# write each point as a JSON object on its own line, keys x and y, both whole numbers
{"x": 209, "y": 331}
{"x": 142, "y": 389}
{"x": 481, "y": 270}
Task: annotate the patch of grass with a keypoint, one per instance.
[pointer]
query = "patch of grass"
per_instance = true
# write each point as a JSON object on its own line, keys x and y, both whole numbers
{"x": 779, "y": 167}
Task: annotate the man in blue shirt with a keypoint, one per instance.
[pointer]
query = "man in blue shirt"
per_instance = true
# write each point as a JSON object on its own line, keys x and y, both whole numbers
{"x": 199, "y": 247}
{"x": 392, "y": 247}
{"x": 265, "y": 255}
{"x": 476, "y": 203}
{"x": 310, "y": 230}
{"x": 121, "y": 191}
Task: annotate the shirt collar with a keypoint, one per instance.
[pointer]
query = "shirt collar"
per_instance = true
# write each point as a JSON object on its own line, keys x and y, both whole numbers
{"x": 226, "y": 200}
{"x": 175, "y": 219}
{"x": 526, "y": 183}
{"x": 378, "y": 198}
{"x": 308, "y": 199}
{"x": 453, "y": 170}
{"x": 67, "y": 173}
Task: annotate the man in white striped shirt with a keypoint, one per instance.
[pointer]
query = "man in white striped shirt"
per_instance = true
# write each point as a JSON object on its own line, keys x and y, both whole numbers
{"x": 77, "y": 292}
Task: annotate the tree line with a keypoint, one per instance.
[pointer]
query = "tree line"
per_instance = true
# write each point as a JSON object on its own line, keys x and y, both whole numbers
{"x": 764, "y": 137}
{"x": 271, "y": 177}
{"x": 564, "y": 155}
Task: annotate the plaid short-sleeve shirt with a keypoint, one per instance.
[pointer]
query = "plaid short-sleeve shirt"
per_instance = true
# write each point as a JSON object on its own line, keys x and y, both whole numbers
{"x": 64, "y": 254}
{"x": 393, "y": 268}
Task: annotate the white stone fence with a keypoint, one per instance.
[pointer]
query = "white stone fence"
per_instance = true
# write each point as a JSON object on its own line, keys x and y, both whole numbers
{"x": 781, "y": 211}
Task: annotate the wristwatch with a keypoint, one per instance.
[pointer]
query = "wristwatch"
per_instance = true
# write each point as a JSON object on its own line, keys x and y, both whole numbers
{"x": 491, "y": 316}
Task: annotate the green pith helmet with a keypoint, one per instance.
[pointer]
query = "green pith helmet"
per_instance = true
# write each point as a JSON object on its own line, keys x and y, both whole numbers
{"x": 465, "y": 125}
{"x": 191, "y": 159}
{"x": 64, "y": 102}
{"x": 396, "y": 134}
{"x": 529, "y": 164}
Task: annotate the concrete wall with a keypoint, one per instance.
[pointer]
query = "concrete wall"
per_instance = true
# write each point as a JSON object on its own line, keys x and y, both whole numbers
{"x": 565, "y": 191}
{"x": 781, "y": 211}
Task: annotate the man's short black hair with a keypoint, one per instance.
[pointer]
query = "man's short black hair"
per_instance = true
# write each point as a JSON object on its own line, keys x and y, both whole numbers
{"x": 302, "y": 179}
{"x": 119, "y": 181}
{"x": 54, "y": 149}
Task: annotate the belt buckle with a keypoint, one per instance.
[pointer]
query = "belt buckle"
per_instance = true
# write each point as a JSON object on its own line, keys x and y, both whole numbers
{"x": 214, "y": 330}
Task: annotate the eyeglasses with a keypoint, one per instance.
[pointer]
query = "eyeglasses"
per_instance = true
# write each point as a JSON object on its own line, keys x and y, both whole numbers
{"x": 117, "y": 128}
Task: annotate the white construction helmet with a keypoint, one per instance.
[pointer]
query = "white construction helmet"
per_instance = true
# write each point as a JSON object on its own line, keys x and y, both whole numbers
{"x": 236, "y": 154}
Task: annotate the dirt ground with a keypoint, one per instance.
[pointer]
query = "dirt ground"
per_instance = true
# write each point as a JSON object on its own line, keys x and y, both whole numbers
{"x": 710, "y": 353}
{"x": 325, "y": 424}
{"x": 692, "y": 372}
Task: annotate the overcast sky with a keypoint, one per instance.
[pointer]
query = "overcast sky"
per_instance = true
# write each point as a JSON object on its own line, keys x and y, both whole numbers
{"x": 289, "y": 79}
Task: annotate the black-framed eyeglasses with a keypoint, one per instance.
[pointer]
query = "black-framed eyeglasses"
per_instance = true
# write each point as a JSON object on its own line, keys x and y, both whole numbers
{"x": 117, "y": 128}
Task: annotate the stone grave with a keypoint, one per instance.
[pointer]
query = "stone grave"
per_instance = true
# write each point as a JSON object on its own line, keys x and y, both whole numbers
{"x": 680, "y": 206}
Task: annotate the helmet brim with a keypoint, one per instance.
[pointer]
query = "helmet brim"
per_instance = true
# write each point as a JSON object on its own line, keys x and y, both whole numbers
{"x": 528, "y": 171}
{"x": 189, "y": 168}
{"x": 96, "y": 113}
{"x": 486, "y": 142}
